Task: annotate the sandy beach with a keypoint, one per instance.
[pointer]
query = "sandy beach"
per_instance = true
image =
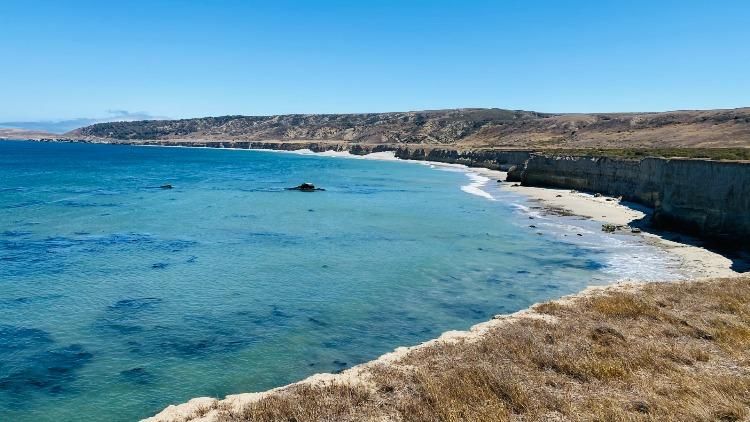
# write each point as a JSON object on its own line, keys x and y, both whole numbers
{"x": 697, "y": 262}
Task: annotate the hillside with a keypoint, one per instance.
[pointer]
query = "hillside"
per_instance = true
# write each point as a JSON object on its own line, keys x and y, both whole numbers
{"x": 14, "y": 133}
{"x": 494, "y": 128}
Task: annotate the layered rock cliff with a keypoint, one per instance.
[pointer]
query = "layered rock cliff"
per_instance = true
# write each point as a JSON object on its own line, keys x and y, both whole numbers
{"x": 487, "y": 158}
{"x": 704, "y": 197}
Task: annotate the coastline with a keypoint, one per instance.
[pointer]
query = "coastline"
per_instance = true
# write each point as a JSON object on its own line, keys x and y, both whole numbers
{"x": 696, "y": 263}
{"x": 633, "y": 301}
{"x": 204, "y": 409}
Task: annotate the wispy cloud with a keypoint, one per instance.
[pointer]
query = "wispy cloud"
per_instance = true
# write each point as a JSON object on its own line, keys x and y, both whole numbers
{"x": 62, "y": 126}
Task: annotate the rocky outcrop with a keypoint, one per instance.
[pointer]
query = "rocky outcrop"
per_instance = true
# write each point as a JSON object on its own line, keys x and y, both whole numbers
{"x": 306, "y": 187}
{"x": 703, "y": 197}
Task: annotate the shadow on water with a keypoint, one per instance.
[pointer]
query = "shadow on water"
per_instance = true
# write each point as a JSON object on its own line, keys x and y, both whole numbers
{"x": 31, "y": 362}
{"x": 738, "y": 254}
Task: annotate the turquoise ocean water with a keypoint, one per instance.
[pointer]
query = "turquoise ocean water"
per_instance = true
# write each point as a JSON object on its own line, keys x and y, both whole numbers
{"x": 118, "y": 298}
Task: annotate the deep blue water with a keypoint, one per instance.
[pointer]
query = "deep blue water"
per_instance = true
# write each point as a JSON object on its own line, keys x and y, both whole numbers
{"x": 118, "y": 298}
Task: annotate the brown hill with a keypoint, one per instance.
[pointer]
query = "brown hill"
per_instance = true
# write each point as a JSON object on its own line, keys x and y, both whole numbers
{"x": 459, "y": 127}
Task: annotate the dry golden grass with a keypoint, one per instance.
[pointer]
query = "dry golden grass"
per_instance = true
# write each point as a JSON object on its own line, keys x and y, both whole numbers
{"x": 657, "y": 352}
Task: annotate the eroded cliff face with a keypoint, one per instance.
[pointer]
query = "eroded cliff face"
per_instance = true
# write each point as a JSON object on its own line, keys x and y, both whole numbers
{"x": 703, "y": 197}
{"x": 491, "y": 159}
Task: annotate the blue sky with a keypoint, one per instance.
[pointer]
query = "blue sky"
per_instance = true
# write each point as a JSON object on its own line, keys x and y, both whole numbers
{"x": 71, "y": 59}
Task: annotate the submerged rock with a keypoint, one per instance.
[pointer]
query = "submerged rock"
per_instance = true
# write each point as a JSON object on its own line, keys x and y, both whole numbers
{"x": 167, "y": 186}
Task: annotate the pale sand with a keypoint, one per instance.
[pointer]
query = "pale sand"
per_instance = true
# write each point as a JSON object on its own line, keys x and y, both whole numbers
{"x": 696, "y": 263}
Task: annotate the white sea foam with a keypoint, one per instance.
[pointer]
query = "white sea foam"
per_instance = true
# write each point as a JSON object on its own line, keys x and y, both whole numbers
{"x": 382, "y": 155}
{"x": 625, "y": 257}
{"x": 475, "y": 187}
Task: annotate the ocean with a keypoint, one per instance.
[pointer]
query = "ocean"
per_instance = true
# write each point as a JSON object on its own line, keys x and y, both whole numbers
{"x": 118, "y": 297}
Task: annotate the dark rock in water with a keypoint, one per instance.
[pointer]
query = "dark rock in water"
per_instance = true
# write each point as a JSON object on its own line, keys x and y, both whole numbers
{"x": 14, "y": 341}
{"x": 609, "y": 228}
{"x": 132, "y": 305}
{"x": 167, "y": 186}
{"x": 159, "y": 265}
{"x": 317, "y": 322}
{"x": 137, "y": 376}
{"x": 306, "y": 187}
{"x": 47, "y": 371}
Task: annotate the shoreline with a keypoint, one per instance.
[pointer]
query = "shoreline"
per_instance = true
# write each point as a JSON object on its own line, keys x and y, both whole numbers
{"x": 194, "y": 410}
{"x": 364, "y": 376}
{"x": 697, "y": 263}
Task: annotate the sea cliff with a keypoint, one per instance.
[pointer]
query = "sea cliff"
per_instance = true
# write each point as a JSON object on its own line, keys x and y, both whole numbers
{"x": 703, "y": 197}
